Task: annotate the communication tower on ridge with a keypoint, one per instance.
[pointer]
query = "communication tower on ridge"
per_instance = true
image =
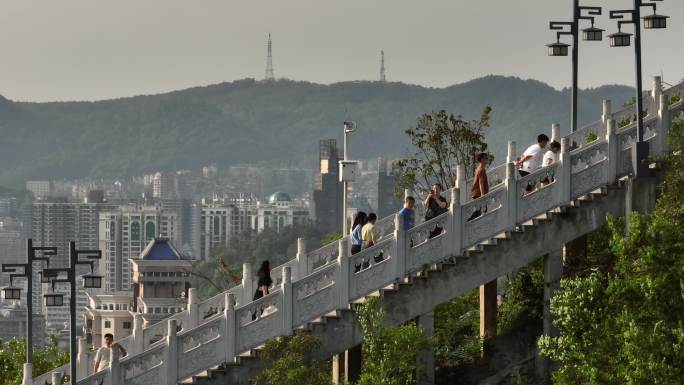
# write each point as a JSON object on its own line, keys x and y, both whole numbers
{"x": 382, "y": 66}
{"x": 269, "y": 61}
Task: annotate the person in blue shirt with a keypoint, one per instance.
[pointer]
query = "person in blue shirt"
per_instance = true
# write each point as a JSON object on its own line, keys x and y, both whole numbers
{"x": 407, "y": 214}
{"x": 356, "y": 241}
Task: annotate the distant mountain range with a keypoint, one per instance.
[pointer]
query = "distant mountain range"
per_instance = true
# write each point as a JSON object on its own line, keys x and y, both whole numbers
{"x": 248, "y": 121}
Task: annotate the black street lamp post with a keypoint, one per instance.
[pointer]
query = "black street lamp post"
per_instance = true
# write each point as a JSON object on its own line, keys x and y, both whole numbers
{"x": 15, "y": 293}
{"x": 561, "y": 49}
{"x": 90, "y": 281}
{"x": 622, "y": 39}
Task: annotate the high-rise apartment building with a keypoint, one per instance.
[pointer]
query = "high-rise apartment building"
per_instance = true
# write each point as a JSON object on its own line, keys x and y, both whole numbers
{"x": 39, "y": 188}
{"x": 123, "y": 234}
{"x": 328, "y": 188}
{"x": 56, "y": 222}
{"x": 388, "y": 203}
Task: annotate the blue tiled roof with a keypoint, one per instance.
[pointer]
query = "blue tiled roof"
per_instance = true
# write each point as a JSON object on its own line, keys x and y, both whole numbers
{"x": 160, "y": 250}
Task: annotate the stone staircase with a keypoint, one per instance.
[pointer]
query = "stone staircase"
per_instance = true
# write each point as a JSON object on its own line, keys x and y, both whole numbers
{"x": 218, "y": 340}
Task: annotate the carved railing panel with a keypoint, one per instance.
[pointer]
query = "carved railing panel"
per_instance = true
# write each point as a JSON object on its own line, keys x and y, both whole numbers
{"x": 492, "y": 219}
{"x": 536, "y": 180}
{"x": 154, "y": 333}
{"x": 259, "y": 320}
{"x": 211, "y": 307}
{"x": 424, "y": 231}
{"x": 99, "y": 378}
{"x": 322, "y": 256}
{"x": 384, "y": 227}
{"x": 201, "y": 347}
{"x": 277, "y": 272}
{"x": 314, "y": 294}
{"x": 426, "y": 253}
{"x": 144, "y": 368}
{"x": 371, "y": 269}
{"x": 544, "y": 197}
{"x": 587, "y": 135}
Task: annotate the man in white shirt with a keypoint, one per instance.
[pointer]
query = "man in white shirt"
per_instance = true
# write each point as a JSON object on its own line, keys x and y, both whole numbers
{"x": 531, "y": 159}
{"x": 104, "y": 355}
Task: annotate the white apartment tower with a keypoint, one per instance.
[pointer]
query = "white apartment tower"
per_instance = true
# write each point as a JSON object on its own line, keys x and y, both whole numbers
{"x": 124, "y": 232}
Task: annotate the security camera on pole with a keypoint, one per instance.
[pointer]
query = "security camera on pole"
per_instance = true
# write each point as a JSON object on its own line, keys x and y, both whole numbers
{"x": 347, "y": 174}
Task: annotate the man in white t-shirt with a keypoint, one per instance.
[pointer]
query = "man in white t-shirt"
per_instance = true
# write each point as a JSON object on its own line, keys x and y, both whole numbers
{"x": 104, "y": 355}
{"x": 531, "y": 159}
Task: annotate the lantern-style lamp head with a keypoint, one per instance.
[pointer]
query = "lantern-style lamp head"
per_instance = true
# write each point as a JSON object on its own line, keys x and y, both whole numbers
{"x": 592, "y": 34}
{"x": 54, "y": 299}
{"x": 558, "y": 49}
{"x": 620, "y": 39}
{"x": 12, "y": 292}
{"x": 655, "y": 21}
{"x": 92, "y": 281}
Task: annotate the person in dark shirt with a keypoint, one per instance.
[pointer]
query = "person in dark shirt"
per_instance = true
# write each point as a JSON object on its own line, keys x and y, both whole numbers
{"x": 435, "y": 205}
{"x": 264, "y": 280}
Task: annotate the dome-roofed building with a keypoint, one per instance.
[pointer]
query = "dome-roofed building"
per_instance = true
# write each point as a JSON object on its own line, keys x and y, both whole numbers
{"x": 279, "y": 197}
{"x": 280, "y": 211}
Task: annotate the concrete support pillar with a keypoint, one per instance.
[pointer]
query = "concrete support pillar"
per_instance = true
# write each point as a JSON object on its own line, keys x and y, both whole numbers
{"x": 488, "y": 308}
{"x": 640, "y": 196}
{"x": 346, "y": 367}
{"x": 553, "y": 272}
{"x": 425, "y": 361}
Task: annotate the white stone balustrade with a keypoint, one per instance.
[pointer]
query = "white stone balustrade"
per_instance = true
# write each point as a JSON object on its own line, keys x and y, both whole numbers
{"x": 314, "y": 284}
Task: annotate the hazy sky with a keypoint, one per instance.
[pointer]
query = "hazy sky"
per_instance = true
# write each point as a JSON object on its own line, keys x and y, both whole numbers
{"x": 85, "y": 49}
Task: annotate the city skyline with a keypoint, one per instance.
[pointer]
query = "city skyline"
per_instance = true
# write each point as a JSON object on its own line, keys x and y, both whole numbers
{"x": 80, "y": 51}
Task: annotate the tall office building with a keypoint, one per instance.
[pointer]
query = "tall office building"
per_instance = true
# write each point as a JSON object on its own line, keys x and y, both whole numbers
{"x": 328, "y": 188}
{"x": 123, "y": 234}
{"x": 388, "y": 203}
{"x": 55, "y": 223}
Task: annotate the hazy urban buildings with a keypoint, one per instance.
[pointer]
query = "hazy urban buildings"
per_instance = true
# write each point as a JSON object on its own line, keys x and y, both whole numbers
{"x": 124, "y": 232}
{"x": 39, "y": 188}
{"x": 108, "y": 313}
{"x": 211, "y": 227}
{"x": 13, "y": 324}
{"x": 328, "y": 190}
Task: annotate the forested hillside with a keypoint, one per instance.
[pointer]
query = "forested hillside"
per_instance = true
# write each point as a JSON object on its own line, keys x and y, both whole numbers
{"x": 249, "y": 121}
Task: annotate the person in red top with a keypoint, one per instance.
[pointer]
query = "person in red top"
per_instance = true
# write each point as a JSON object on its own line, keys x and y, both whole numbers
{"x": 480, "y": 183}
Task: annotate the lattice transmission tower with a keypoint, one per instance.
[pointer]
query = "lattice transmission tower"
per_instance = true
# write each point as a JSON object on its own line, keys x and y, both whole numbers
{"x": 269, "y": 60}
{"x": 382, "y": 66}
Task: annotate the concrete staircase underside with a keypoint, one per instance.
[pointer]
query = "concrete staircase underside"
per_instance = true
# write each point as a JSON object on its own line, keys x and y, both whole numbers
{"x": 421, "y": 293}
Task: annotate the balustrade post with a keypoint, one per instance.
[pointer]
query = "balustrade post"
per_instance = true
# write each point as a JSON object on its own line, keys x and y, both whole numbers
{"x": 231, "y": 326}
{"x": 656, "y": 92}
{"x": 247, "y": 284}
{"x": 82, "y": 359}
{"x": 286, "y": 288}
{"x": 462, "y": 183}
{"x": 607, "y": 111}
{"x": 138, "y": 336}
{"x": 664, "y": 122}
{"x": 407, "y": 193}
{"x": 456, "y": 228}
{"x": 512, "y": 195}
{"x": 555, "y": 132}
{"x": 56, "y": 378}
{"x": 612, "y": 140}
{"x": 302, "y": 262}
{"x": 342, "y": 280}
{"x": 193, "y": 309}
{"x": 400, "y": 247}
{"x": 171, "y": 359}
{"x": 511, "y": 155}
{"x": 115, "y": 374}
{"x": 565, "y": 172}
